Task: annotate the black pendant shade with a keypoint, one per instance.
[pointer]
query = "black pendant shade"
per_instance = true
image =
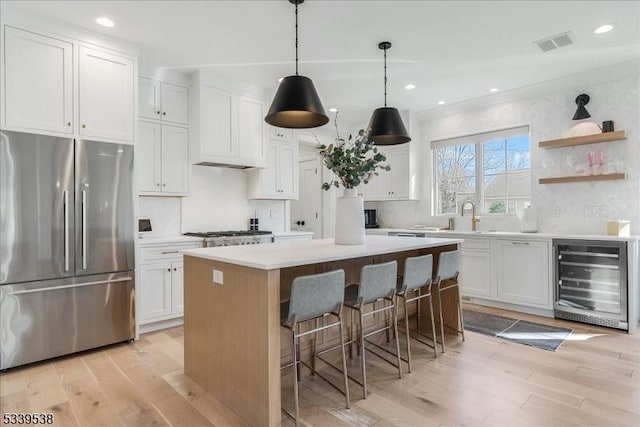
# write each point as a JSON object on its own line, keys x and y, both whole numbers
{"x": 296, "y": 105}
{"x": 386, "y": 127}
{"x": 581, "y": 112}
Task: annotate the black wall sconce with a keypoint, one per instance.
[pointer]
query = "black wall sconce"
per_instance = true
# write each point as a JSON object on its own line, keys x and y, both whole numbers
{"x": 581, "y": 112}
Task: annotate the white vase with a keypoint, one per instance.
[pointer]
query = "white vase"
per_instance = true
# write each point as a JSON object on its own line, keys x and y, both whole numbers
{"x": 350, "y": 218}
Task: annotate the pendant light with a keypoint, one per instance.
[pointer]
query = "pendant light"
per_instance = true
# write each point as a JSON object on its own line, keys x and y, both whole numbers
{"x": 296, "y": 104}
{"x": 386, "y": 126}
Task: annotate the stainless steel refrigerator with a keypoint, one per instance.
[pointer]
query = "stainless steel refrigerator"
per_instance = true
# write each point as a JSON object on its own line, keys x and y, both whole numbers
{"x": 66, "y": 246}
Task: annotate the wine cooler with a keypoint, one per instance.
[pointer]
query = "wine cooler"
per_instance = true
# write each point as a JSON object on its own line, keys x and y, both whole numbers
{"x": 591, "y": 282}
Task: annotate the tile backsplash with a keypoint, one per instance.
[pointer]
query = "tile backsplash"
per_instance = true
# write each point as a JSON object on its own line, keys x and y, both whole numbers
{"x": 165, "y": 214}
{"x": 580, "y": 208}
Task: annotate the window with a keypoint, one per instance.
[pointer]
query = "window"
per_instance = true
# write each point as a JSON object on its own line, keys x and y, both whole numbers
{"x": 492, "y": 169}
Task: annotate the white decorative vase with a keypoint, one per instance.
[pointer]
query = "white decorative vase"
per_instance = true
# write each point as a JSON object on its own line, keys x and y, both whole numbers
{"x": 350, "y": 218}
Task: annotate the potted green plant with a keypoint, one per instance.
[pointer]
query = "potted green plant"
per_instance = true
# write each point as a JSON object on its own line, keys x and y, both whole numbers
{"x": 354, "y": 162}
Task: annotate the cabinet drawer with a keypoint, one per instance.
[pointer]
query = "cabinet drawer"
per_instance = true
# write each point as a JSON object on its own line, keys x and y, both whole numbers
{"x": 165, "y": 252}
{"x": 477, "y": 244}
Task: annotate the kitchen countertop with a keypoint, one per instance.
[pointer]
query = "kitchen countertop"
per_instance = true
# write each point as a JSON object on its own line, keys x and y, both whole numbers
{"x": 292, "y": 233}
{"x": 302, "y": 252}
{"x": 509, "y": 234}
{"x": 145, "y": 241}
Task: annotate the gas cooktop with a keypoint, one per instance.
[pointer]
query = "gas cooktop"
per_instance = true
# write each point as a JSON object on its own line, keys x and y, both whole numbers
{"x": 206, "y": 234}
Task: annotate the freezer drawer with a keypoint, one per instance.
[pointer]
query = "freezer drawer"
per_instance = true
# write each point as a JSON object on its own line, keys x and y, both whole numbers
{"x": 40, "y": 320}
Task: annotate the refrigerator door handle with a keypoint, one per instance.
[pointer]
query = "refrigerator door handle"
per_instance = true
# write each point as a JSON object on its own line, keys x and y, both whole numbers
{"x": 84, "y": 229}
{"x": 66, "y": 229}
{"x": 75, "y": 285}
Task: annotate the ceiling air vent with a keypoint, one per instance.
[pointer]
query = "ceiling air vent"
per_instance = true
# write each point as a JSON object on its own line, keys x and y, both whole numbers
{"x": 554, "y": 42}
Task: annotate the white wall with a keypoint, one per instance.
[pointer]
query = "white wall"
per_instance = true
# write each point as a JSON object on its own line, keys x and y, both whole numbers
{"x": 572, "y": 208}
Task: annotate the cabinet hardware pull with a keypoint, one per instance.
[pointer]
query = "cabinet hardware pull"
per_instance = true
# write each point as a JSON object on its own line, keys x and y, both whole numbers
{"x": 84, "y": 126}
{"x": 158, "y": 112}
{"x": 158, "y": 185}
{"x": 164, "y": 185}
{"x": 520, "y": 243}
{"x": 68, "y": 123}
{"x": 168, "y": 269}
{"x": 164, "y": 113}
{"x": 175, "y": 269}
{"x": 170, "y": 252}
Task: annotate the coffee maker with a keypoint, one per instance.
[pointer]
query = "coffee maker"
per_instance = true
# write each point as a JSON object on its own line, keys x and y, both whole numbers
{"x": 370, "y": 218}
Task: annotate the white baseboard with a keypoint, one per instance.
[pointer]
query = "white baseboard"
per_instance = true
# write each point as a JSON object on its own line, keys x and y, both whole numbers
{"x": 163, "y": 324}
{"x": 506, "y": 306}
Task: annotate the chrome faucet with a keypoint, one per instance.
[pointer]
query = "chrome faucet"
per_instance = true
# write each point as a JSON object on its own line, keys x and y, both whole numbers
{"x": 474, "y": 220}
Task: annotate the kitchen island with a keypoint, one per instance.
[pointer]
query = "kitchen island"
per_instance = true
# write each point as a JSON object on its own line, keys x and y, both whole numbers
{"x": 232, "y": 310}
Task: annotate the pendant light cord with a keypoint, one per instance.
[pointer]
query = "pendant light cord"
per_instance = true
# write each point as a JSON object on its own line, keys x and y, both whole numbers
{"x": 385, "y": 76}
{"x": 296, "y": 39}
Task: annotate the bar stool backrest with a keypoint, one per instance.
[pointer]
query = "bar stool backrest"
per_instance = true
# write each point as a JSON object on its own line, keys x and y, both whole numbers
{"x": 448, "y": 265}
{"x": 417, "y": 271}
{"x": 377, "y": 281}
{"x": 316, "y": 294}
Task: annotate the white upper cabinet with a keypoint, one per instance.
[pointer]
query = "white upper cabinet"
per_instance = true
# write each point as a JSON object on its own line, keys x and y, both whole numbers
{"x": 162, "y": 159}
{"x": 175, "y": 159}
{"x": 396, "y": 184}
{"x": 149, "y": 105}
{"x": 250, "y": 128}
{"x": 281, "y": 134}
{"x": 38, "y": 82}
{"x": 227, "y": 128}
{"x": 149, "y": 157}
{"x": 175, "y": 103}
{"x": 163, "y": 101}
{"x": 279, "y": 180}
{"x": 106, "y": 95}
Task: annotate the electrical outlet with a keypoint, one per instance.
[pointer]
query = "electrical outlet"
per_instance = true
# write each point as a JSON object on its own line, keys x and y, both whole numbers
{"x": 218, "y": 277}
{"x": 275, "y": 213}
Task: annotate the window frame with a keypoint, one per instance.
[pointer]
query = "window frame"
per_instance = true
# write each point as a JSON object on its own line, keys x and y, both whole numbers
{"x": 478, "y": 139}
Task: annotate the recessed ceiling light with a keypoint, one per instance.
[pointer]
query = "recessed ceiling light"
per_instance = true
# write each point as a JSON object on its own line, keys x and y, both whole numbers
{"x": 105, "y": 22}
{"x": 333, "y": 110}
{"x": 280, "y": 79}
{"x": 603, "y": 29}
{"x": 441, "y": 102}
{"x": 410, "y": 87}
{"x": 493, "y": 89}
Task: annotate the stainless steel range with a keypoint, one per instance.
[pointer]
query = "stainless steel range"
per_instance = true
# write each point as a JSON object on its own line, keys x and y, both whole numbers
{"x": 233, "y": 238}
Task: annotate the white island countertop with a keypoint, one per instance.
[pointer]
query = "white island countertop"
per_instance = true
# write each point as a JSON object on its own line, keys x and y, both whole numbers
{"x": 302, "y": 252}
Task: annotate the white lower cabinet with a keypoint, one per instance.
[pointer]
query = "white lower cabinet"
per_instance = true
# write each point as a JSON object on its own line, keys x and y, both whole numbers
{"x": 475, "y": 273}
{"x": 161, "y": 285}
{"x": 523, "y": 272}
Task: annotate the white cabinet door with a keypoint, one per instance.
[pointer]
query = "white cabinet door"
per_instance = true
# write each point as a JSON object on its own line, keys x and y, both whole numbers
{"x": 177, "y": 288}
{"x": 250, "y": 129}
{"x": 475, "y": 273}
{"x": 523, "y": 272}
{"x": 105, "y": 93}
{"x": 216, "y": 138}
{"x": 281, "y": 134}
{"x": 38, "y": 82}
{"x": 287, "y": 169}
{"x": 148, "y": 157}
{"x": 175, "y": 103}
{"x": 175, "y": 159}
{"x": 155, "y": 291}
{"x": 269, "y": 175}
{"x": 149, "y": 98}
{"x": 400, "y": 179}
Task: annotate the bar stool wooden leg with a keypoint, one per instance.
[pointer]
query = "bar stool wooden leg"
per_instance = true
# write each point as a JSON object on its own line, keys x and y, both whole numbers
{"x": 394, "y": 315}
{"x": 406, "y": 329}
{"x": 344, "y": 364}
{"x": 294, "y": 356}
{"x": 363, "y": 366}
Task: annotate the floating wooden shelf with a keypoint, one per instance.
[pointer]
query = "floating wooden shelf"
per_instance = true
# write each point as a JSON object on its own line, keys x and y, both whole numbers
{"x": 582, "y": 178}
{"x": 583, "y": 140}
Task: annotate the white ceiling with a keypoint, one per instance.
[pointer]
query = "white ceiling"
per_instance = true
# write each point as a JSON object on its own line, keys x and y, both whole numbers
{"x": 451, "y": 50}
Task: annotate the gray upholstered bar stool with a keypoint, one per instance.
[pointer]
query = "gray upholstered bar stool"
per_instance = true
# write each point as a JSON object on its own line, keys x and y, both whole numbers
{"x": 448, "y": 269}
{"x": 414, "y": 286}
{"x": 314, "y": 297}
{"x": 377, "y": 284}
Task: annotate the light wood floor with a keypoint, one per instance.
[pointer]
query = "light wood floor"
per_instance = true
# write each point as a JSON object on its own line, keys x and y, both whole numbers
{"x": 593, "y": 380}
